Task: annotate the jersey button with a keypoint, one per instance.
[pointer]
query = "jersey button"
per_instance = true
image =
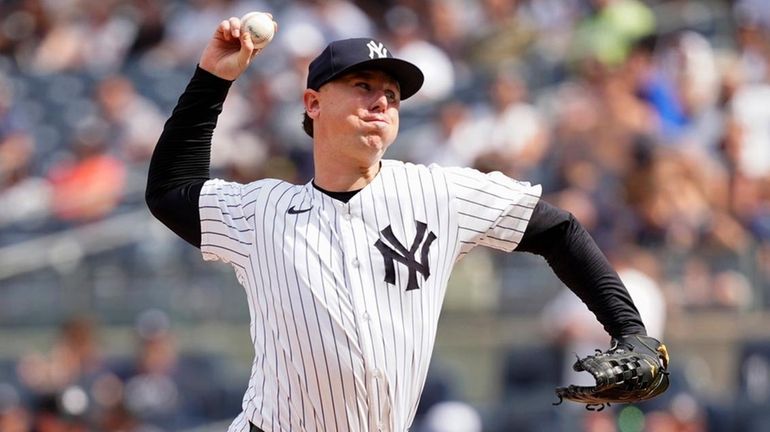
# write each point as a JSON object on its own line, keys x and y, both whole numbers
{"x": 355, "y": 262}
{"x": 376, "y": 374}
{"x": 347, "y": 216}
{"x": 365, "y": 316}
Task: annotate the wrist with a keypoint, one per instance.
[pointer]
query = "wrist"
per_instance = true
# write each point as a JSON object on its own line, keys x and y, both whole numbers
{"x": 205, "y": 75}
{"x": 213, "y": 74}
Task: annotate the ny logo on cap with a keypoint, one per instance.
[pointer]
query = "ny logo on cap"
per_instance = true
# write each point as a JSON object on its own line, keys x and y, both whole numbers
{"x": 377, "y": 49}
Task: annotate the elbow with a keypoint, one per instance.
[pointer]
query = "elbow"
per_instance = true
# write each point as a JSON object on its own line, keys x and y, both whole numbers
{"x": 151, "y": 189}
{"x": 153, "y": 197}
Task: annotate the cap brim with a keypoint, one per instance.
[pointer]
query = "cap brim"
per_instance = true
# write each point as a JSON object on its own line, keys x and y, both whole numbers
{"x": 408, "y": 76}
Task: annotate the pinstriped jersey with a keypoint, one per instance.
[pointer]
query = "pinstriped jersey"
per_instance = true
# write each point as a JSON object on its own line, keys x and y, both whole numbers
{"x": 344, "y": 298}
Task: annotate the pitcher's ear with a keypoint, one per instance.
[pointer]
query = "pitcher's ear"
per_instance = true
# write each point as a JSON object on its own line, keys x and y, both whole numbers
{"x": 312, "y": 103}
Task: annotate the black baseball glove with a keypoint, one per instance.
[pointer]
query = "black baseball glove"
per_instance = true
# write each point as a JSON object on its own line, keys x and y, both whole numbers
{"x": 634, "y": 369}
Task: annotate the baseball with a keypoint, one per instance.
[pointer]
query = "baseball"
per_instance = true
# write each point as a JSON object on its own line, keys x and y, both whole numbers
{"x": 260, "y": 26}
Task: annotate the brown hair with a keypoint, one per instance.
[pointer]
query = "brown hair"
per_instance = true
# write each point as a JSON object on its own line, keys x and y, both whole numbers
{"x": 307, "y": 124}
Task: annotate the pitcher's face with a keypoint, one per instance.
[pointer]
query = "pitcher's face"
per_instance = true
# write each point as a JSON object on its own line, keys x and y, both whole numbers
{"x": 358, "y": 111}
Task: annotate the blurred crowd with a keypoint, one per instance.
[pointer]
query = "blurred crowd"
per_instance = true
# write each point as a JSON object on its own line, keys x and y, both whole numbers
{"x": 76, "y": 387}
{"x": 648, "y": 120}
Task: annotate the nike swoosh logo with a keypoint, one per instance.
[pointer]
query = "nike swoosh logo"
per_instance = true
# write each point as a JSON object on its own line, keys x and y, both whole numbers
{"x": 292, "y": 210}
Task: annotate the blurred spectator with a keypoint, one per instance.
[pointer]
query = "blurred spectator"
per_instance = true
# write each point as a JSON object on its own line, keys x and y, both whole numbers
{"x": 12, "y": 119}
{"x": 90, "y": 185}
{"x": 753, "y": 47}
{"x": 512, "y": 135}
{"x": 335, "y": 19}
{"x": 498, "y": 34}
{"x": 409, "y": 40}
{"x": 60, "y": 383}
{"x": 607, "y": 34}
{"x": 24, "y": 197}
{"x": 452, "y": 416}
{"x": 151, "y": 389}
{"x": 702, "y": 287}
{"x": 151, "y": 21}
{"x": 695, "y": 71}
{"x": 577, "y": 121}
{"x": 279, "y": 114}
{"x": 14, "y": 417}
{"x": 231, "y": 133}
{"x": 446, "y": 27}
{"x": 655, "y": 88}
{"x": 22, "y": 25}
{"x": 133, "y": 121}
{"x": 448, "y": 141}
{"x": 751, "y": 112}
{"x": 164, "y": 388}
{"x": 754, "y": 12}
{"x": 92, "y": 36}
{"x": 301, "y": 42}
{"x": 684, "y": 413}
{"x": 52, "y": 413}
{"x": 678, "y": 203}
{"x": 748, "y": 195}
{"x": 74, "y": 359}
{"x": 184, "y": 35}
{"x": 732, "y": 291}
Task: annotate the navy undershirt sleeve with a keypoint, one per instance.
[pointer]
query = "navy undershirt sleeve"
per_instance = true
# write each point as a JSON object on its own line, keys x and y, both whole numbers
{"x": 577, "y": 261}
{"x": 180, "y": 161}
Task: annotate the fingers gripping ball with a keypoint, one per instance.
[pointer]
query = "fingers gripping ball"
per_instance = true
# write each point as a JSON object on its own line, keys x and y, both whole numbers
{"x": 260, "y": 26}
{"x": 634, "y": 369}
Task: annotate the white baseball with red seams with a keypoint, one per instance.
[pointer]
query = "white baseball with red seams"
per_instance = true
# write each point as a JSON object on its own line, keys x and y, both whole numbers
{"x": 260, "y": 26}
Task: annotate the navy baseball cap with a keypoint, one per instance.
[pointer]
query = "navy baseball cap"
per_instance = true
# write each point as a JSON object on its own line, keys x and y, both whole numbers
{"x": 348, "y": 55}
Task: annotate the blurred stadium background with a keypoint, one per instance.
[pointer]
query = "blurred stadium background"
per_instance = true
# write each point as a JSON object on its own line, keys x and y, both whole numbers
{"x": 649, "y": 120}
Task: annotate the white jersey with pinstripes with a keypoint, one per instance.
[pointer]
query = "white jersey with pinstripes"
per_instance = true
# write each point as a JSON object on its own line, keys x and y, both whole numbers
{"x": 344, "y": 298}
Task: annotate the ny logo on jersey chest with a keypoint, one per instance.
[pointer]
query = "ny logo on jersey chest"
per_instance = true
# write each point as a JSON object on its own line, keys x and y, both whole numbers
{"x": 393, "y": 251}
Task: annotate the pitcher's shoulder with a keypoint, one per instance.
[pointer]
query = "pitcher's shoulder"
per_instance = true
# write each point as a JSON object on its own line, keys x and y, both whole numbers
{"x": 432, "y": 169}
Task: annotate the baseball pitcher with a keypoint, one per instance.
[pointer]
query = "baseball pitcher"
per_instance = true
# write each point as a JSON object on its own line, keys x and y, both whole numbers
{"x": 345, "y": 275}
